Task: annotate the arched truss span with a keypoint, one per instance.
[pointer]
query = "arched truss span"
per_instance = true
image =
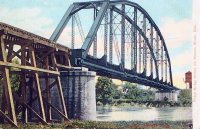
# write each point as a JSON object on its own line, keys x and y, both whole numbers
{"x": 148, "y": 51}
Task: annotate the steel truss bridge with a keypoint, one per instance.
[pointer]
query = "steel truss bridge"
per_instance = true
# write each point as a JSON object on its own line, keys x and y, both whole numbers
{"x": 128, "y": 23}
{"x": 131, "y": 48}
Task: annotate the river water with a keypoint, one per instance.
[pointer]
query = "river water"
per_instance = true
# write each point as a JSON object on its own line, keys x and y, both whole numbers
{"x": 143, "y": 113}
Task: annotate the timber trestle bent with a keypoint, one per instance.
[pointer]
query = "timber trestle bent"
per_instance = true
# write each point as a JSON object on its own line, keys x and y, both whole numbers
{"x": 32, "y": 59}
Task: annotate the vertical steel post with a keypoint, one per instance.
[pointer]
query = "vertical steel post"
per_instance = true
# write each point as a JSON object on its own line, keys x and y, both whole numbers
{"x": 157, "y": 52}
{"x": 132, "y": 46}
{"x": 162, "y": 61}
{"x": 157, "y": 46}
{"x": 135, "y": 39}
{"x": 140, "y": 53}
{"x": 134, "y": 42}
{"x": 144, "y": 46}
{"x": 166, "y": 67}
{"x": 151, "y": 38}
{"x": 95, "y": 39}
{"x": 111, "y": 37}
{"x": 123, "y": 36}
{"x": 106, "y": 34}
{"x": 73, "y": 32}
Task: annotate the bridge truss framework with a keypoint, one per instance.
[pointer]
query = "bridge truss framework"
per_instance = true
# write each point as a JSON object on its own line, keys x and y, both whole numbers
{"x": 150, "y": 61}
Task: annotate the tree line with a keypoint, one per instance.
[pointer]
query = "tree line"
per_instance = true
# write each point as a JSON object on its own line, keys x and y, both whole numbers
{"x": 109, "y": 93}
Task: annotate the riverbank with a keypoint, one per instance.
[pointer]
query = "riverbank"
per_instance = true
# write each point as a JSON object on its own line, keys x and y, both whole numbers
{"x": 129, "y": 102}
{"x": 110, "y": 125}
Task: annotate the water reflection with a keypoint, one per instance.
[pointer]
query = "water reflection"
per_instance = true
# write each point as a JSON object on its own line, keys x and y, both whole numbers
{"x": 143, "y": 113}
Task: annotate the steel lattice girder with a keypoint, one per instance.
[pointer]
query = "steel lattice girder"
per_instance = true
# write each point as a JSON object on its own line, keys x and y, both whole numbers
{"x": 81, "y": 55}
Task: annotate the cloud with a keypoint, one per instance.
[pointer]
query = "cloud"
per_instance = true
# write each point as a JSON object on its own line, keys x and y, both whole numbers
{"x": 183, "y": 59}
{"x": 181, "y": 64}
{"x": 66, "y": 37}
{"x": 177, "y": 33}
{"x": 178, "y": 80}
{"x": 29, "y": 19}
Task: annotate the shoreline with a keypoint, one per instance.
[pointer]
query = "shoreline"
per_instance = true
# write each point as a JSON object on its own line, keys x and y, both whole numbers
{"x": 111, "y": 125}
{"x": 127, "y": 105}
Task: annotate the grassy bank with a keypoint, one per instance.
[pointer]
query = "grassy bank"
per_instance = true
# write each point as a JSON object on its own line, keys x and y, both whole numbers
{"x": 129, "y": 102}
{"x": 108, "y": 125}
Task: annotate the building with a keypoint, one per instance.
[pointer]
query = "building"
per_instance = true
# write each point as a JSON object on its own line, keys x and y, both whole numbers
{"x": 188, "y": 79}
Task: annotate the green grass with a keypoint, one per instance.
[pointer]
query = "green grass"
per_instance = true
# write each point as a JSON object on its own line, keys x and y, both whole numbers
{"x": 107, "y": 125}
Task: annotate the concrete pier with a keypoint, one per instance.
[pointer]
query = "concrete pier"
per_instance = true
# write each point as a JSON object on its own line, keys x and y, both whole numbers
{"x": 171, "y": 96}
{"x": 79, "y": 93}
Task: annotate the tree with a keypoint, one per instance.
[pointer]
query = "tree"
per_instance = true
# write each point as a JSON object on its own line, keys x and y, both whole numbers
{"x": 134, "y": 93}
{"x": 116, "y": 93}
{"x": 104, "y": 89}
{"x": 149, "y": 95}
{"x": 130, "y": 91}
{"x": 14, "y": 80}
{"x": 185, "y": 97}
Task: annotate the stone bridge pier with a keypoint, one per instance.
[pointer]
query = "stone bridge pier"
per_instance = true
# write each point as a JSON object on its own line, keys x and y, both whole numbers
{"x": 79, "y": 93}
{"x": 170, "y": 95}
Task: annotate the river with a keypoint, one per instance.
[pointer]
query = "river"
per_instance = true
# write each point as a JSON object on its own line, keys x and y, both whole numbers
{"x": 143, "y": 114}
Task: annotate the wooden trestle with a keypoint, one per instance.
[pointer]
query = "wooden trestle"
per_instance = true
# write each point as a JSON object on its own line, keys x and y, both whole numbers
{"x": 39, "y": 58}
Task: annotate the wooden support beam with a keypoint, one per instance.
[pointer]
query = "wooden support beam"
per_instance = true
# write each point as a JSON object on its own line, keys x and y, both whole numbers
{"x": 58, "y": 112}
{"x": 7, "y": 118}
{"x": 37, "y": 115}
{"x": 17, "y": 53}
{"x": 30, "y": 73}
{"x": 37, "y": 85}
{"x": 63, "y": 66}
{"x": 48, "y": 103}
{"x": 3, "y": 104}
{"x": 23, "y": 103}
{"x": 12, "y": 39}
{"x": 67, "y": 60}
{"x": 30, "y": 84}
{"x": 44, "y": 91}
{"x": 10, "y": 51}
{"x": 7, "y": 64}
{"x": 7, "y": 85}
{"x": 23, "y": 85}
{"x": 53, "y": 58}
{"x": 45, "y": 55}
{"x": 13, "y": 55}
{"x": 27, "y": 55}
{"x": 48, "y": 93}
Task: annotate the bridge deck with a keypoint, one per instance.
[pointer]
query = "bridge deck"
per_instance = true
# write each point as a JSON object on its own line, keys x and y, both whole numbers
{"x": 19, "y": 33}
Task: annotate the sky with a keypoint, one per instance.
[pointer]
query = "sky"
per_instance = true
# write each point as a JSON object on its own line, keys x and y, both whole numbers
{"x": 173, "y": 17}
